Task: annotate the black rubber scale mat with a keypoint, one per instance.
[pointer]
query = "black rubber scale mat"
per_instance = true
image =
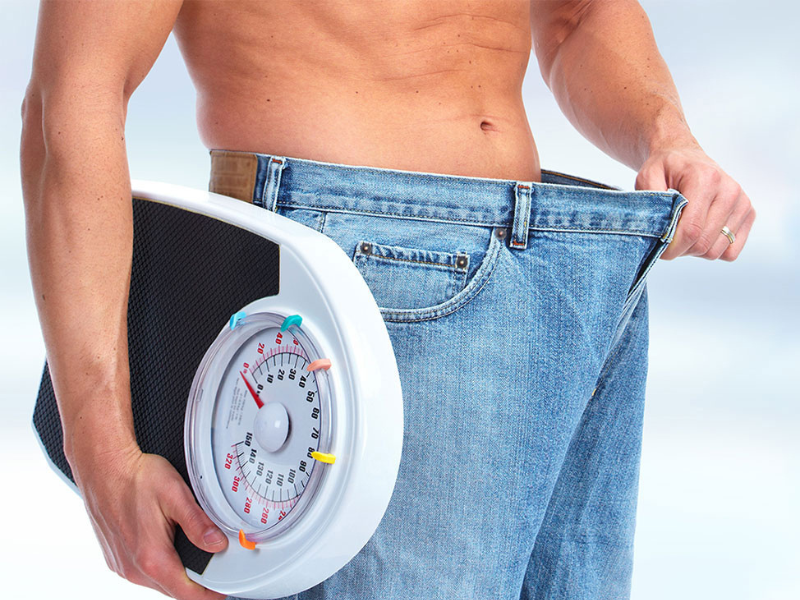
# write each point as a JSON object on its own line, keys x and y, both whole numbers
{"x": 190, "y": 273}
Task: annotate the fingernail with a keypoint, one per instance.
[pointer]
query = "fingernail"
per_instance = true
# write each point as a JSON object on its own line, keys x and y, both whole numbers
{"x": 213, "y": 537}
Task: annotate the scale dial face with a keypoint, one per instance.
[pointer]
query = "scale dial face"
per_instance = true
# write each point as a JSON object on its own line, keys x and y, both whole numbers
{"x": 269, "y": 414}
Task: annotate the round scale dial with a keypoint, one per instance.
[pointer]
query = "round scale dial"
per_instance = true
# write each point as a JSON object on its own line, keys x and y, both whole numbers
{"x": 262, "y": 394}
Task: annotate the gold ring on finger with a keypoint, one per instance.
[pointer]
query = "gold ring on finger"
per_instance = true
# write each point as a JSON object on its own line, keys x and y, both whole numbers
{"x": 728, "y": 234}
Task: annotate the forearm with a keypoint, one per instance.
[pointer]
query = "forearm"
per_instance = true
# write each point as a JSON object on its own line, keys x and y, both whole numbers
{"x": 77, "y": 195}
{"x": 611, "y": 82}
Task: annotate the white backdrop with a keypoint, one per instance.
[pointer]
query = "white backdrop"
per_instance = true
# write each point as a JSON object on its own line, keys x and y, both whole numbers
{"x": 720, "y": 487}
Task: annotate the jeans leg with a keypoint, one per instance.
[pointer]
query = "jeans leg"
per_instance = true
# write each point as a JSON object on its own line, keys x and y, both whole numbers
{"x": 456, "y": 525}
{"x": 584, "y": 549}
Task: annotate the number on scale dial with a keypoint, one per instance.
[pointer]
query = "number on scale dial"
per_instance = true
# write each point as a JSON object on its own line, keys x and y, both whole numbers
{"x": 266, "y": 425}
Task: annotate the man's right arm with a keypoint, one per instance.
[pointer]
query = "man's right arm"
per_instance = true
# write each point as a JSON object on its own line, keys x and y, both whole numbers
{"x": 88, "y": 60}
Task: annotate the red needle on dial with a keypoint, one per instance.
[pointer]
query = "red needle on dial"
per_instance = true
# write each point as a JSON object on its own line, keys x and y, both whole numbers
{"x": 259, "y": 403}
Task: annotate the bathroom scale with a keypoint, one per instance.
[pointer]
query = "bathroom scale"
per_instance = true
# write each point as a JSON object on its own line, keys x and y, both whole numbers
{"x": 262, "y": 369}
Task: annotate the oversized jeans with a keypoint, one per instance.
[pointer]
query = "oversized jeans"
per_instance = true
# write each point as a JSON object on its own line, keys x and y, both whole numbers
{"x": 518, "y": 314}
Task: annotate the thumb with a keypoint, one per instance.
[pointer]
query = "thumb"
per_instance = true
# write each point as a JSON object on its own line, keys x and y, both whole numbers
{"x": 652, "y": 176}
{"x": 201, "y": 531}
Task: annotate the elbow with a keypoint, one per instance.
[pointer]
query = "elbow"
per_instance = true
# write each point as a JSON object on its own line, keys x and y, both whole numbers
{"x": 31, "y": 104}
{"x": 61, "y": 115}
{"x": 31, "y": 115}
{"x": 63, "y": 123}
{"x": 60, "y": 120}
{"x": 32, "y": 146}
{"x": 32, "y": 111}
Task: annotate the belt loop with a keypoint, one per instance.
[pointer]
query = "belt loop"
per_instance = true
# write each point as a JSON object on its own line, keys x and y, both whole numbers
{"x": 522, "y": 215}
{"x": 272, "y": 183}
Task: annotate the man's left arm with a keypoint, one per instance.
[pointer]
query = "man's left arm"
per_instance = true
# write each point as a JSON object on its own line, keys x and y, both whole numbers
{"x": 600, "y": 60}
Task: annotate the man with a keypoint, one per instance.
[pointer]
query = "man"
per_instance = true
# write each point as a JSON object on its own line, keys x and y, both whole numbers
{"x": 431, "y": 87}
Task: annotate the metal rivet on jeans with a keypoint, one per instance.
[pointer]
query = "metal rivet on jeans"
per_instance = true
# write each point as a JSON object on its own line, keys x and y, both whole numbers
{"x": 461, "y": 261}
{"x": 366, "y": 247}
{"x": 500, "y": 232}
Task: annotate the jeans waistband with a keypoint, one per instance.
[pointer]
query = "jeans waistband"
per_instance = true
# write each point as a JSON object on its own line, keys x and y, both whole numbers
{"x": 559, "y": 202}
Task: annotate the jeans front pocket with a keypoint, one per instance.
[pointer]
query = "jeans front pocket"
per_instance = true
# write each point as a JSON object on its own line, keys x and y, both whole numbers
{"x": 410, "y": 278}
{"x": 417, "y": 269}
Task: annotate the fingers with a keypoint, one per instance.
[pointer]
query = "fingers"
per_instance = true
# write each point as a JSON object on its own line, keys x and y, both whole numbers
{"x": 135, "y": 526}
{"x": 182, "y": 508}
{"x": 161, "y": 562}
{"x": 161, "y": 565}
{"x": 730, "y": 207}
{"x": 742, "y": 233}
{"x": 733, "y": 222}
{"x": 715, "y": 201}
{"x": 723, "y": 198}
{"x": 692, "y": 222}
{"x": 652, "y": 177}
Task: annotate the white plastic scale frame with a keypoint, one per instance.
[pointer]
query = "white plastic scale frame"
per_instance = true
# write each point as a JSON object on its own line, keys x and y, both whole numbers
{"x": 364, "y": 430}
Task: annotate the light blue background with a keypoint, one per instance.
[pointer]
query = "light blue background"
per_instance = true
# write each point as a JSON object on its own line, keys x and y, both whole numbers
{"x": 719, "y": 484}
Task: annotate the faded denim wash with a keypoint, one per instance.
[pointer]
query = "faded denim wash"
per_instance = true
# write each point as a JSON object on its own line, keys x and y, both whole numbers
{"x": 518, "y": 314}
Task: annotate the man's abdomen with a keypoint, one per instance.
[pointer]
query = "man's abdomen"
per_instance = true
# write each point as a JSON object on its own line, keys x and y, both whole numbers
{"x": 424, "y": 86}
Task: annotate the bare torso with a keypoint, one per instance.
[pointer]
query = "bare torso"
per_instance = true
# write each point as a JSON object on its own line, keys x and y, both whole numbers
{"x": 417, "y": 85}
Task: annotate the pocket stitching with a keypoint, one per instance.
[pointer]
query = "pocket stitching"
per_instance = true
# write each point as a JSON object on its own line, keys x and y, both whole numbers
{"x": 366, "y": 255}
{"x": 461, "y": 299}
{"x": 456, "y": 275}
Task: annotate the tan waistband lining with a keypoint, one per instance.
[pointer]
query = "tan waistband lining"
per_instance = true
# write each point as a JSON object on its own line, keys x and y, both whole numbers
{"x": 233, "y": 174}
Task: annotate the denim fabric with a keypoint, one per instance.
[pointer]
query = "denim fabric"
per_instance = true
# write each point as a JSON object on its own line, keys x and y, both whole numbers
{"x": 519, "y": 319}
